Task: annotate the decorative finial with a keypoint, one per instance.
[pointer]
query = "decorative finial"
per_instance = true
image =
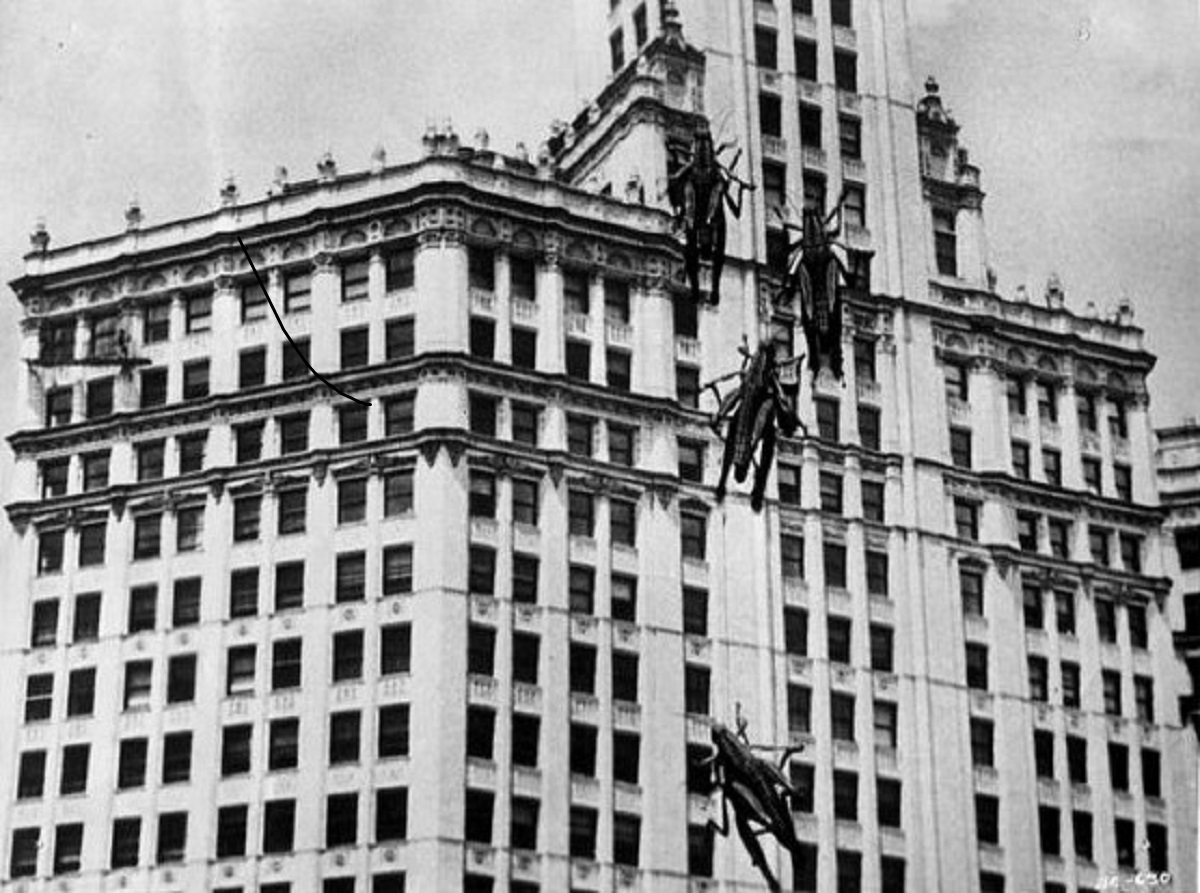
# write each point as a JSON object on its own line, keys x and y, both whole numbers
{"x": 522, "y": 152}
{"x": 281, "y": 178}
{"x": 326, "y": 166}
{"x": 1055, "y": 296}
{"x": 39, "y": 239}
{"x": 1125, "y": 311}
{"x": 133, "y": 215}
{"x": 378, "y": 159}
{"x": 931, "y": 85}
{"x": 671, "y": 25}
{"x": 1091, "y": 311}
{"x": 1022, "y": 295}
{"x": 482, "y": 139}
{"x": 229, "y": 192}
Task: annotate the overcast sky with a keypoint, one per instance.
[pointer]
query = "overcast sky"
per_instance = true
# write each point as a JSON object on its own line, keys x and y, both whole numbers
{"x": 1083, "y": 114}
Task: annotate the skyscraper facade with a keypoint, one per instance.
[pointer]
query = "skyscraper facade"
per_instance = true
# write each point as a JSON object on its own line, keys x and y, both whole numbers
{"x": 460, "y": 611}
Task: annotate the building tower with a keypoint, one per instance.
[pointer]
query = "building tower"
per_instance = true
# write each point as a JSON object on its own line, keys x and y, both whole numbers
{"x": 473, "y": 633}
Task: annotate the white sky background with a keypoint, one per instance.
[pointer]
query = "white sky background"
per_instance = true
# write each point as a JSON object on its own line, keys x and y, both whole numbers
{"x": 1089, "y": 147}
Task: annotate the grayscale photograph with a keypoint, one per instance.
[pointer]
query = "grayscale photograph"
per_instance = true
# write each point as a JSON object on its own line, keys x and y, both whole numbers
{"x": 600, "y": 446}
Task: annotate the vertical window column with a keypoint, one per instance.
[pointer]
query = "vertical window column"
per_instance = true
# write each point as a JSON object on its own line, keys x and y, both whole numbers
{"x": 552, "y": 332}
{"x": 443, "y": 300}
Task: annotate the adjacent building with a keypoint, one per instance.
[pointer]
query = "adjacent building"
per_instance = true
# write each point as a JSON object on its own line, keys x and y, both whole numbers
{"x": 458, "y": 612}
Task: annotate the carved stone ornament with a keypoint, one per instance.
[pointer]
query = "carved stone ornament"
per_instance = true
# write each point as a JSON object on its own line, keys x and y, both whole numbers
{"x": 455, "y": 450}
{"x": 429, "y": 450}
{"x": 555, "y": 468}
{"x": 320, "y": 468}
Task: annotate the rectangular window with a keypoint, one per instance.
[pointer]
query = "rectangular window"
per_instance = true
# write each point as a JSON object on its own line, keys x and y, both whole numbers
{"x": 75, "y": 758}
{"x": 137, "y": 684}
{"x": 44, "y": 630}
{"x": 279, "y": 825}
{"x": 147, "y": 536}
{"x": 1131, "y": 552}
{"x": 131, "y": 763}
{"x": 397, "y": 569}
{"x": 351, "y": 577}
{"x": 581, "y": 513}
{"x": 1123, "y": 482}
{"x": 395, "y": 649}
{"x": 1138, "y": 634}
{"x": 481, "y": 650}
{"x": 95, "y": 471}
{"x": 1118, "y": 766}
{"x": 189, "y": 528}
{"x": 623, "y": 605}
{"x": 243, "y": 592}
{"x": 347, "y": 655}
{"x": 1070, "y": 685}
{"x": 181, "y": 678}
{"x": 355, "y": 280}
{"x": 987, "y": 818}
{"x": 1077, "y": 759}
{"x": 828, "y": 421}
{"x": 789, "y": 484}
{"x": 1052, "y": 465}
{"x": 87, "y": 618}
{"x": 696, "y": 682}
{"x": 481, "y": 501}
{"x": 850, "y": 137}
{"x": 765, "y": 48}
{"x": 1020, "y": 460}
{"x": 622, "y": 522}
{"x": 57, "y": 341}
{"x": 253, "y": 303}
{"x": 252, "y": 367}
{"x": 58, "y": 406}
{"x": 352, "y": 424}
{"x": 391, "y": 816}
{"x": 246, "y": 517}
{"x": 1143, "y": 693}
{"x": 397, "y": 492}
{"x": 1126, "y": 848}
{"x": 1060, "y": 537}
{"x": 695, "y": 611}
{"x": 295, "y": 359}
{"x": 177, "y": 757}
{"x": 198, "y": 313}
{"x": 691, "y": 460}
{"x": 297, "y": 291}
{"x": 1106, "y": 619}
{"x": 149, "y": 460}
{"x": 293, "y": 433}
{"x": 54, "y": 475}
{"x": 344, "y": 729}
{"x": 92, "y": 538}
{"x": 286, "y": 664}
{"x": 525, "y": 424}
{"x": 481, "y": 570}
{"x": 400, "y": 269}
{"x": 1111, "y": 680}
{"x": 799, "y": 709}
{"x": 143, "y": 608}
{"x": 578, "y": 360}
{"x": 283, "y": 745}
{"x": 68, "y": 848}
{"x": 694, "y": 535}
{"x": 1039, "y": 679}
{"x": 580, "y": 435}
{"x": 482, "y": 338}
{"x": 291, "y": 509}
{"x": 81, "y": 692}
{"x": 341, "y": 820}
{"x": 526, "y": 650}
{"x": 806, "y": 59}
{"x": 1098, "y": 545}
{"x": 582, "y": 582}
{"x": 393, "y": 731}
{"x": 351, "y": 500}
{"x": 619, "y": 363}
{"x": 770, "y": 115}
{"x": 525, "y": 500}
{"x": 525, "y": 579}
{"x": 960, "y": 447}
{"x": 839, "y": 629}
{"x": 791, "y": 549}
{"x": 195, "y": 379}
{"x": 481, "y": 732}
{"x": 882, "y": 648}
{"x": 982, "y": 742}
{"x": 835, "y": 565}
{"x": 845, "y": 70}
{"x": 945, "y": 242}
{"x": 231, "y": 831}
{"x": 524, "y": 348}
{"x": 621, "y": 445}
{"x": 810, "y": 126}
{"x": 248, "y": 439}
{"x": 126, "y": 843}
{"x": 50, "y": 551}
{"x": 239, "y": 670}
{"x": 842, "y": 716}
{"x": 977, "y": 666}
{"x": 886, "y": 724}
{"x": 966, "y": 520}
{"x": 877, "y": 573}
{"x": 624, "y": 676}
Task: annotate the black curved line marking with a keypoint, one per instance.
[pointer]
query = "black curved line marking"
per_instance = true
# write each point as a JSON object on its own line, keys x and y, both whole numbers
{"x": 287, "y": 334}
